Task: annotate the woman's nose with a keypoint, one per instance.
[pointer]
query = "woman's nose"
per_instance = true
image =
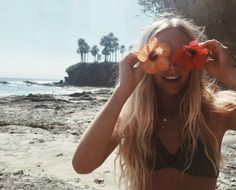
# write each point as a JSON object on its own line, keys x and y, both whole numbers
{"x": 172, "y": 67}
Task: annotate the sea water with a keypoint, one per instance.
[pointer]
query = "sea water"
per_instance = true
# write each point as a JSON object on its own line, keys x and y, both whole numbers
{"x": 17, "y": 86}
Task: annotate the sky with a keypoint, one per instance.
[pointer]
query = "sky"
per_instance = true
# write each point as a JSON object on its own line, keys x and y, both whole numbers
{"x": 38, "y": 38}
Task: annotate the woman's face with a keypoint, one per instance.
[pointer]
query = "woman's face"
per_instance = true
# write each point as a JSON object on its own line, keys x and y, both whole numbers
{"x": 172, "y": 80}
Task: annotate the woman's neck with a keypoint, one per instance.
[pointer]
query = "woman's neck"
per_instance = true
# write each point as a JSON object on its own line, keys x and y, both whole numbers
{"x": 168, "y": 104}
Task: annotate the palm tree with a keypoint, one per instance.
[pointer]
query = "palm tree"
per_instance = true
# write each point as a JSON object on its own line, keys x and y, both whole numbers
{"x": 106, "y": 52}
{"x": 106, "y": 42}
{"x": 86, "y": 50}
{"x": 81, "y": 49}
{"x": 111, "y": 46}
{"x": 99, "y": 57}
{"x": 112, "y": 39}
{"x": 94, "y": 51}
{"x": 116, "y": 47}
{"x": 122, "y": 50}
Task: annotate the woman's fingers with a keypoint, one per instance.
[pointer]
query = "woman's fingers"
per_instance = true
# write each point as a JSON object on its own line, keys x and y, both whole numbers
{"x": 136, "y": 66}
{"x": 211, "y": 44}
{"x": 129, "y": 75}
{"x": 220, "y": 61}
{"x": 214, "y": 46}
{"x": 138, "y": 71}
{"x": 131, "y": 59}
{"x": 218, "y": 52}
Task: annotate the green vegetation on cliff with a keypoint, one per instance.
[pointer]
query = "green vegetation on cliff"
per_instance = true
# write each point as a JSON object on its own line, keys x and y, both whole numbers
{"x": 92, "y": 74}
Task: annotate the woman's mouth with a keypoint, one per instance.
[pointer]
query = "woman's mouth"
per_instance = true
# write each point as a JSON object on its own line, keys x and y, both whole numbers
{"x": 171, "y": 78}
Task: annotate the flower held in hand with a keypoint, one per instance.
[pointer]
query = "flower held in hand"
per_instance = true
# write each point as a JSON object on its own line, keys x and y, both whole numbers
{"x": 191, "y": 56}
{"x": 154, "y": 56}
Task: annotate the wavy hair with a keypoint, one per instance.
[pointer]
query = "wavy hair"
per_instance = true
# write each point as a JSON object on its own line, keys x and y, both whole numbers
{"x": 139, "y": 117}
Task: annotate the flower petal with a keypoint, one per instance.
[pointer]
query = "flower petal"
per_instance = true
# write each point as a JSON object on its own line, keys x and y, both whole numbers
{"x": 153, "y": 44}
{"x": 191, "y": 56}
{"x": 142, "y": 57}
{"x": 179, "y": 57}
{"x": 165, "y": 49}
{"x": 193, "y": 43}
{"x": 149, "y": 67}
{"x": 147, "y": 49}
{"x": 188, "y": 66}
{"x": 162, "y": 64}
{"x": 142, "y": 54}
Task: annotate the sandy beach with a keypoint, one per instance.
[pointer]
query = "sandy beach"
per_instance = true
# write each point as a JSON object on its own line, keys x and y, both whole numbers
{"x": 39, "y": 134}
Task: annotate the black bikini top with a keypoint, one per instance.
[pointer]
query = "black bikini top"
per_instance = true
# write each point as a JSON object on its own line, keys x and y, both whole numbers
{"x": 201, "y": 165}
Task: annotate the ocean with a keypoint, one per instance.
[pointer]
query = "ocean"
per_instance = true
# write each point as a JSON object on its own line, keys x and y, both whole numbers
{"x": 17, "y": 86}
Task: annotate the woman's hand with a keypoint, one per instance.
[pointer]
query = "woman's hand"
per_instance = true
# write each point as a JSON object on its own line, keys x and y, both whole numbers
{"x": 220, "y": 65}
{"x": 129, "y": 77}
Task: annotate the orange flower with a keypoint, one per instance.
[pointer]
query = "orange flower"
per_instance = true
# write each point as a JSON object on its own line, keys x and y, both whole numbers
{"x": 191, "y": 56}
{"x": 154, "y": 56}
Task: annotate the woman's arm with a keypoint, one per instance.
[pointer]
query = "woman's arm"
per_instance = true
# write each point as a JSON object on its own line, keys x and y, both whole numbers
{"x": 99, "y": 140}
{"x": 94, "y": 144}
{"x": 223, "y": 68}
{"x": 231, "y": 120}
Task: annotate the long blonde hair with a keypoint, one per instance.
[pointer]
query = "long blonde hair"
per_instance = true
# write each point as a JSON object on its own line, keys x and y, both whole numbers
{"x": 138, "y": 118}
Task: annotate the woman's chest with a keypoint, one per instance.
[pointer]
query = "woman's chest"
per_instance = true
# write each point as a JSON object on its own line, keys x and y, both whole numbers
{"x": 171, "y": 135}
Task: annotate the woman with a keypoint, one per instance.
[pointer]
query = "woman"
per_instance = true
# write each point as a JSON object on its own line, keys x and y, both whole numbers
{"x": 168, "y": 124}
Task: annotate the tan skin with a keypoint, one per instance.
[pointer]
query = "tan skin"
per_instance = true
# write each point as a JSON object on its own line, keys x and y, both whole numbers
{"x": 100, "y": 138}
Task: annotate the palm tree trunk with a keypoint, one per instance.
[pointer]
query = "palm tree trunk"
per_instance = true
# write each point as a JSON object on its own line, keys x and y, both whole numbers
{"x": 115, "y": 56}
{"x": 81, "y": 57}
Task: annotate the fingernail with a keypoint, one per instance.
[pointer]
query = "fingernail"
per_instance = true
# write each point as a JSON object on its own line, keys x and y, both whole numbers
{"x": 136, "y": 65}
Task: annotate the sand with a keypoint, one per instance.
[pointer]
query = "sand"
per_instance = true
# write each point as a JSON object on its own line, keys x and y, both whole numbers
{"x": 39, "y": 134}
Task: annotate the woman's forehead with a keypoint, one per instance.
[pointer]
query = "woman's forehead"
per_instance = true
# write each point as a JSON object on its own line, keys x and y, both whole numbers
{"x": 174, "y": 37}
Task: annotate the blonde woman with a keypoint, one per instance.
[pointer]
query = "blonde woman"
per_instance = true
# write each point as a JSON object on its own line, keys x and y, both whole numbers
{"x": 168, "y": 125}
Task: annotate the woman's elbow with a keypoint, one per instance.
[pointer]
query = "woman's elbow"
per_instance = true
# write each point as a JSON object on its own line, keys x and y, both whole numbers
{"x": 80, "y": 168}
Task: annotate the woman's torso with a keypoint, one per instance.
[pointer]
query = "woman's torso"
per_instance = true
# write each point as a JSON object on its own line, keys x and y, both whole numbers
{"x": 169, "y": 178}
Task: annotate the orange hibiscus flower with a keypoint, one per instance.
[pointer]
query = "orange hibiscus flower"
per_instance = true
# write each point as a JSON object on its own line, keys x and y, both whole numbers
{"x": 154, "y": 56}
{"x": 191, "y": 56}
